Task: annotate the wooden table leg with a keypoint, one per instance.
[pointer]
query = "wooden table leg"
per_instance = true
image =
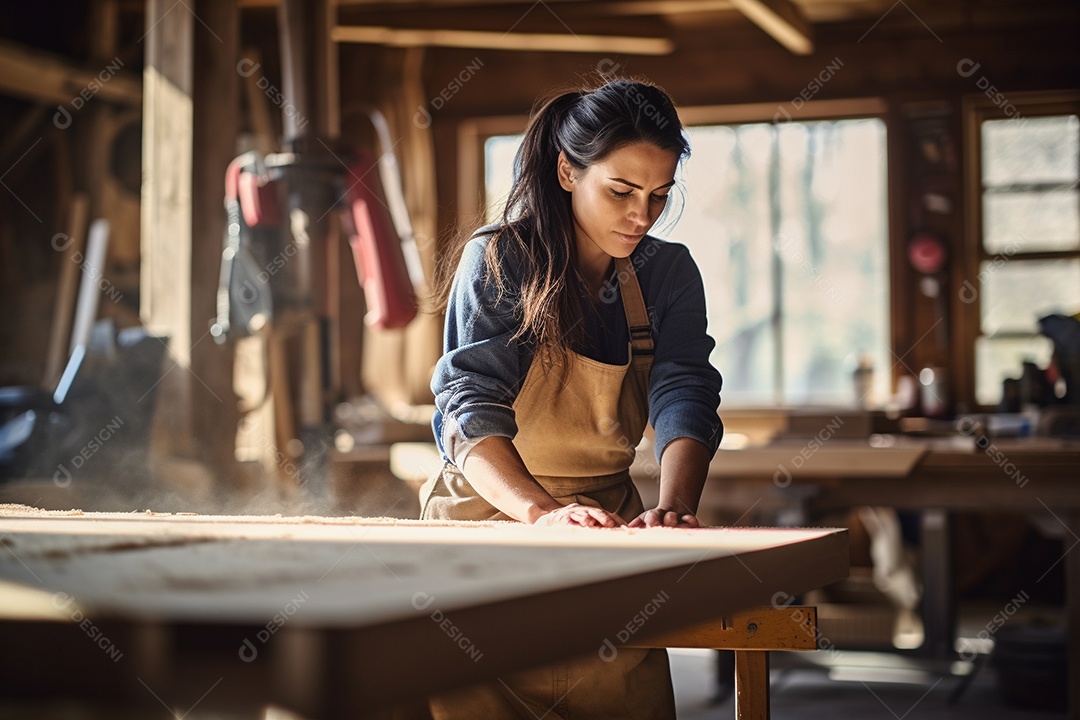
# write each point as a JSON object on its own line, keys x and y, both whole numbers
{"x": 751, "y": 634}
{"x": 939, "y": 603}
{"x": 1072, "y": 613}
{"x": 751, "y": 685}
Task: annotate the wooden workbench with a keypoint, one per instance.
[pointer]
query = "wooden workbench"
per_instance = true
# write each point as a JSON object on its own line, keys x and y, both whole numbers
{"x": 933, "y": 476}
{"x": 334, "y": 617}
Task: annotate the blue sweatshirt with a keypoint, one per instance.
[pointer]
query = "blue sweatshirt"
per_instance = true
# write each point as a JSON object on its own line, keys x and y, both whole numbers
{"x": 481, "y": 371}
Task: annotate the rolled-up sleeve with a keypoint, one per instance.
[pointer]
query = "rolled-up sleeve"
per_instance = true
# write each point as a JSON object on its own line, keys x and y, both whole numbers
{"x": 684, "y": 387}
{"x": 480, "y": 373}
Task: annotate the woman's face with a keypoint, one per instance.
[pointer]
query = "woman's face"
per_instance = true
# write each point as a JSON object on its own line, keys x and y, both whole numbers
{"x": 616, "y": 201}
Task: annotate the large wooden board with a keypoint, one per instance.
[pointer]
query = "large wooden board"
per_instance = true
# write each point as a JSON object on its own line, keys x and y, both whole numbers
{"x": 378, "y": 610}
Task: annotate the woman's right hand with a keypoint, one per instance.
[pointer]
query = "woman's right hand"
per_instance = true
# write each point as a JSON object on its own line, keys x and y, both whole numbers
{"x": 581, "y": 516}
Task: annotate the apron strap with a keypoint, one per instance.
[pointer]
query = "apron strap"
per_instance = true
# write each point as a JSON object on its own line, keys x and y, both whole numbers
{"x": 637, "y": 317}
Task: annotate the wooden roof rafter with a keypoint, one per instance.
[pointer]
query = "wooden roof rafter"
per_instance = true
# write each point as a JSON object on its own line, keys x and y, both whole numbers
{"x": 782, "y": 20}
{"x": 516, "y": 41}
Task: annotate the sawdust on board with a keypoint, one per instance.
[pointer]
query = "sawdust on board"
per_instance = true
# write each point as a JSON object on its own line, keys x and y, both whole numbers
{"x": 15, "y": 510}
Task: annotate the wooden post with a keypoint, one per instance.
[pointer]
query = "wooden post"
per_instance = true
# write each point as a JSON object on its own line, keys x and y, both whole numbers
{"x": 214, "y": 130}
{"x": 165, "y": 282}
{"x": 189, "y": 132}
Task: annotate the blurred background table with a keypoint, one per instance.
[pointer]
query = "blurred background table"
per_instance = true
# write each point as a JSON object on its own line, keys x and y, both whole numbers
{"x": 804, "y": 478}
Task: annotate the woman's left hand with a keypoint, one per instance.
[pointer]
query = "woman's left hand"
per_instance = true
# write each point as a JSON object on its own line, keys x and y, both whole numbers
{"x": 662, "y": 517}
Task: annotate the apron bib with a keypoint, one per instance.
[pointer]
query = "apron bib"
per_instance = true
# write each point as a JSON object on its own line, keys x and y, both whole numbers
{"x": 578, "y": 427}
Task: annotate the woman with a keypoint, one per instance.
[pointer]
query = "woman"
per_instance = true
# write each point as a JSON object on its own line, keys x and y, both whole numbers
{"x": 567, "y": 328}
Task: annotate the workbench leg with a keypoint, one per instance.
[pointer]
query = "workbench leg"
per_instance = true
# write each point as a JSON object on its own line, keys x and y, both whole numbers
{"x": 938, "y": 604}
{"x": 1072, "y": 614}
{"x": 751, "y": 685}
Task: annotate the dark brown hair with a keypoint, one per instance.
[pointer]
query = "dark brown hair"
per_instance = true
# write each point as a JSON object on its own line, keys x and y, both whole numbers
{"x": 537, "y": 225}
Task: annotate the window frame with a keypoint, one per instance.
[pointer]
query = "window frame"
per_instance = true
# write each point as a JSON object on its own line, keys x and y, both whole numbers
{"x": 474, "y": 132}
{"x": 975, "y": 109}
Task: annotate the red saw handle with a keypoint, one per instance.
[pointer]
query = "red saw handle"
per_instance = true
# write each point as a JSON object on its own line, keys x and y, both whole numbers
{"x": 380, "y": 262}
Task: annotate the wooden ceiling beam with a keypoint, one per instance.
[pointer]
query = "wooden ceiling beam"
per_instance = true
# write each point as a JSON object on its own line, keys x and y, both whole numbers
{"x": 565, "y": 8}
{"x": 782, "y": 20}
{"x": 489, "y": 40}
{"x": 47, "y": 78}
{"x": 517, "y": 17}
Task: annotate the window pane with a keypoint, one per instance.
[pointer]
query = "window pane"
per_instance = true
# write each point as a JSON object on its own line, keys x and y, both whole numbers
{"x": 999, "y": 358}
{"x": 823, "y": 258}
{"x": 1030, "y": 150}
{"x": 1031, "y": 221}
{"x": 1015, "y": 294}
{"x": 499, "y": 152}
{"x": 834, "y": 263}
{"x": 734, "y": 254}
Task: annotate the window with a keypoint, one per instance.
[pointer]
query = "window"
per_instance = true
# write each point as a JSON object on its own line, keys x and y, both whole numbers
{"x": 788, "y": 223}
{"x": 1027, "y": 227}
{"x": 499, "y": 152}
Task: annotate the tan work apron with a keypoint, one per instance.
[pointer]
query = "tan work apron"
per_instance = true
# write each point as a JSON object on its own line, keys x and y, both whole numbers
{"x": 577, "y": 431}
